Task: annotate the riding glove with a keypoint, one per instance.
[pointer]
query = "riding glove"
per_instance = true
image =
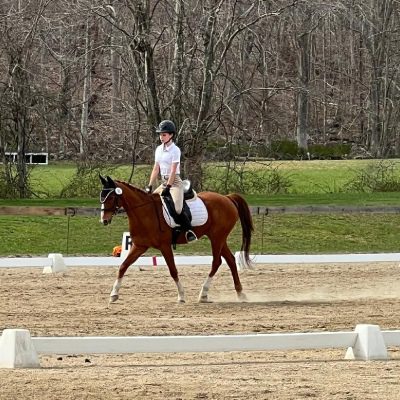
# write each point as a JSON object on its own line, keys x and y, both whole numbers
{"x": 148, "y": 189}
{"x": 166, "y": 191}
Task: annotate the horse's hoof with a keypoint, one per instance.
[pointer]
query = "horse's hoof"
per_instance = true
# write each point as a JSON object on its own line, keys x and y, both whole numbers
{"x": 181, "y": 301}
{"x": 204, "y": 299}
{"x": 113, "y": 298}
{"x": 242, "y": 297}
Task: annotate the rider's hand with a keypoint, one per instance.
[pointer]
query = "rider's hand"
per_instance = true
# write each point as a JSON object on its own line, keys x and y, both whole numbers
{"x": 166, "y": 191}
{"x": 148, "y": 189}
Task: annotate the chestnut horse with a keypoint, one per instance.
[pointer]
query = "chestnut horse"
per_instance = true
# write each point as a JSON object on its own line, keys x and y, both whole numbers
{"x": 148, "y": 228}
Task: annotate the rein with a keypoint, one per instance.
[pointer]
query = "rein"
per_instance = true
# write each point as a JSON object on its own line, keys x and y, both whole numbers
{"x": 133, "y": 189}
{"x": 150, "y": 200}
{"x": 117, "y": 193}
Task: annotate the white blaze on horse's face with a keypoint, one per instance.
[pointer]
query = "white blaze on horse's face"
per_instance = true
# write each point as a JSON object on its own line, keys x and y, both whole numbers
{"x": 103, "y": 219}
{"x": 102, "y": 214}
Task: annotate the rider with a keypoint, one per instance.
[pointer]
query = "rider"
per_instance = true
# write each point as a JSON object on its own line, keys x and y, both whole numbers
{"x": 167, "y": 163}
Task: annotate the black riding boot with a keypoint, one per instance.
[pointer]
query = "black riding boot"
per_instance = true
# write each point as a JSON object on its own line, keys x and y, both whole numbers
{"x": 187, "y": 226}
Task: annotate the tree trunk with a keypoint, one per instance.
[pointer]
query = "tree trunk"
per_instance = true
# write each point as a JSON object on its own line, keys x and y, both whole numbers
{"x": 21, "y": 126}
{"x": 115, "y": 65}
{"x": 86, "y": 91}
{"x": 303, "y": 94}
{"x": 196, "y": 144}
{"x": 177, "y": 68}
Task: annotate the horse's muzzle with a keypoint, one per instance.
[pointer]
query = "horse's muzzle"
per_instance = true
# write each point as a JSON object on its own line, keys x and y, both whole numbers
{"x": 106, "y": 222}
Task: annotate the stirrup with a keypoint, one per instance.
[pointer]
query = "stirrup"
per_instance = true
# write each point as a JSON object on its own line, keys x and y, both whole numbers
{"x": 190, "y": 236}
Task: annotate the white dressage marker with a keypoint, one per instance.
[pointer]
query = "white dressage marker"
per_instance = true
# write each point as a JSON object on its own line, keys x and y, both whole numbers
{"x": 57, "y": 264}
{"x": 370, "y": 344}
{"x": 17, "y": 350}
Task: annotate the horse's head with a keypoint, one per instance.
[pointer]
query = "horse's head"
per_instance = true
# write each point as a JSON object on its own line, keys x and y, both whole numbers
{"x": 109, "y": 199}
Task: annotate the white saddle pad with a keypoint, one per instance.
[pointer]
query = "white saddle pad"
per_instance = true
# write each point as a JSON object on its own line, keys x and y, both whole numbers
{"x": 197, "y": 208}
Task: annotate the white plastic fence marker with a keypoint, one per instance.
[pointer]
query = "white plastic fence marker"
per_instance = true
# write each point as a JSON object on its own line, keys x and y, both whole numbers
{"x": 366, "y": 342}
{"x": 28, "y": 262}
{"x": 369, "y": 345}
{"x": 17, "y": 350}
{"x": 57, "y": 265}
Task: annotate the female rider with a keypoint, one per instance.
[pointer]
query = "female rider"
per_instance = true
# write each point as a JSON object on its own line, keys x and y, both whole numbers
{"x": 167, "y": 163}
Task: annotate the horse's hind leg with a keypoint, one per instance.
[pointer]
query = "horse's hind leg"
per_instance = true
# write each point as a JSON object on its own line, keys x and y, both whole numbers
{"x": 133, "y": 255}
{"x": 230, "y": 259}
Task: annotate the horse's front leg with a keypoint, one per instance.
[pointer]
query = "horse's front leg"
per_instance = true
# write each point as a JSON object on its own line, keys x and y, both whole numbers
{"x": 181, "y": 292}
{"x": 132, "y": 256}
{"x": 169, "y": 259}
{"x": 203, "y": 297}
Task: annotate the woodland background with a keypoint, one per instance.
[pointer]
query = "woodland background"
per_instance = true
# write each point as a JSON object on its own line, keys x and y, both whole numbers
{"x": 88, "y": 80}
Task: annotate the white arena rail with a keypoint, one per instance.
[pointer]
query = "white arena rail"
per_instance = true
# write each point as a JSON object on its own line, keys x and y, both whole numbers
{"x": 53, "y": 260}
{"x": 19, "y": 350}
{"x": 182, "y": 344}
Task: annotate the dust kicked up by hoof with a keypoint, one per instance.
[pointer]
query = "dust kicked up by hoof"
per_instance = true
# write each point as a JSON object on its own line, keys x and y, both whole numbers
{"x": 204, "y": 299}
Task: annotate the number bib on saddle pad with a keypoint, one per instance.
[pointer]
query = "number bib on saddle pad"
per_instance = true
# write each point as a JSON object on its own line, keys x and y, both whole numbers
{"x": 197, "y": 209}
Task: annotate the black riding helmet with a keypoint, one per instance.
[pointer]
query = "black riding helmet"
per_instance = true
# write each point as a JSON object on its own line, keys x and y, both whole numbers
{"x": 166, "y": 126}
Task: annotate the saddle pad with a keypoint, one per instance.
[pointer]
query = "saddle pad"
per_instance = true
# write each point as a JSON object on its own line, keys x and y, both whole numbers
{"x": 197, "y": 208}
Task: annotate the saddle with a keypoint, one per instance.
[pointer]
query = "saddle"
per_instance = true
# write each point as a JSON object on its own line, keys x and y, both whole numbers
{"x": 185, "y": 216}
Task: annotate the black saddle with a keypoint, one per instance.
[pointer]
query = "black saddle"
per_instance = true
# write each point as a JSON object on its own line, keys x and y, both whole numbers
{"x": 169, "y": 203}
{"x": 188, "y": 192}
{"x": 185, "y": 217}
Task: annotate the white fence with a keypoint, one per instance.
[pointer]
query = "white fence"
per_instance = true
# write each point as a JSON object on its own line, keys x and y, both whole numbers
{"x": 30, "y": 158}
{"x": 56, "y": 262}
{"x": 53, "y": 261}
{"x": 19, "y": 350}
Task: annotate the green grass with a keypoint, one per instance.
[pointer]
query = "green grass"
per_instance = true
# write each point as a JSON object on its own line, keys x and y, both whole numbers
{"x": 274, "y": 234}
{"x": 339, "y": 199}
{"x": 306, "y": 177}
{"x": 350, "y": 199}
{"x": 314, "y": 183}
{"x": 318, "y": 176}
{"x": 49, "y": 180}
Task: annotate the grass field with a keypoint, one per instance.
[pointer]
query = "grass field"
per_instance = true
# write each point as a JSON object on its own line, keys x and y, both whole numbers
{"x": 313, "y": 183}
{"x": 310, "y": 182}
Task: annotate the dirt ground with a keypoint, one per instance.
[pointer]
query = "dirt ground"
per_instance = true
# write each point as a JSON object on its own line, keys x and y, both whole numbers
{"x": 282, "y": 298}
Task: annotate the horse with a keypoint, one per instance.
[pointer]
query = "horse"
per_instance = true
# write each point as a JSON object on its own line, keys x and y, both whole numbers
{"x": 148, "y": 228}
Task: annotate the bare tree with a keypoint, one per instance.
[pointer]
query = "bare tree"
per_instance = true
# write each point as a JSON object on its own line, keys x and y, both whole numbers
{"x": 377, "y": 23}
{"x": 238, "y": 73}
{"x": 21, "y": 105}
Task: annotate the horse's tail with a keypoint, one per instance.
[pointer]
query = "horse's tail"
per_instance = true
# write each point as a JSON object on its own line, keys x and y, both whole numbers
{"x": 247, "y": 226}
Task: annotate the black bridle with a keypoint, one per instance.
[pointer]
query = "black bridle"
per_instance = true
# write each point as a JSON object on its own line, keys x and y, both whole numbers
{"x": 104, "y": 197}
{"x": 117, "y": 193}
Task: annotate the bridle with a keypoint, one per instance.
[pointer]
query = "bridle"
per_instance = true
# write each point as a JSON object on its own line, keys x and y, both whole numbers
{"x": 117, "y": 193}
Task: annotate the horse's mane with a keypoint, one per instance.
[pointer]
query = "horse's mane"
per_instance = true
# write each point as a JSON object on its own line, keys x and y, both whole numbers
{"x": 132, "y": 187}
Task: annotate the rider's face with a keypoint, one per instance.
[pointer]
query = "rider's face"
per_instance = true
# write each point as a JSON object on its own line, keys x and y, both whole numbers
{"x": 165, "y": 137}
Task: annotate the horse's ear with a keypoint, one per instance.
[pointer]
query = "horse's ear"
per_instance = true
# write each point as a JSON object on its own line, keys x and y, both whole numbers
{"x": 110, "y": 182}
{"x": 103, "y": 181}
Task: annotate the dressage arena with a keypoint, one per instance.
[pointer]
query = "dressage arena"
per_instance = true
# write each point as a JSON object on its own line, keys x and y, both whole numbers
{"x": 281, "y": 298}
